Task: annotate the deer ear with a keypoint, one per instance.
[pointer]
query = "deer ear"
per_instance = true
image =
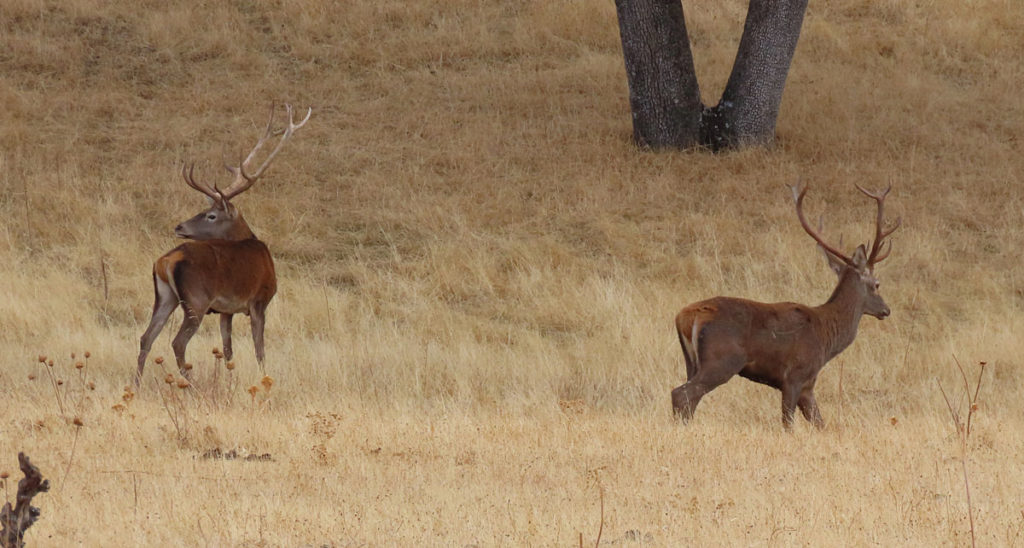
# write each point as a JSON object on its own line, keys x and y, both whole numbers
{"x": 860, "y": 258}
{"x": 835, "y": 263}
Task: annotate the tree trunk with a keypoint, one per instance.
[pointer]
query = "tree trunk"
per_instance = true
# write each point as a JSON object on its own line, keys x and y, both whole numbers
{"x": 749, "y": 106}
{"x": 664, "y": 96}
{"x": 663, "y": 92}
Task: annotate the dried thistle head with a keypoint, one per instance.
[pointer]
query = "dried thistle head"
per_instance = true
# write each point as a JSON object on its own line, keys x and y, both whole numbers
{"x": 31, "y": 377}
{"x": 87, "y": 354}
{"x": 253, "y": 390}
{"x": 79, "y": 365}
{"x": 49, "y": 362}
{"x": 188, "y": 367}
{"x": 169, "y": 379}
{"x": 267, "y": 381}
{"x": 183, "y": 383}
{"x": 230, "y": 365}
{"x": 4, "y": 475}
{"x": 60, "y": 382}
{"x": 893, "y": 420}
{"x": 77, "y": 421}
{"x": 159, "y": 360}
{"x": 42, "y": 358}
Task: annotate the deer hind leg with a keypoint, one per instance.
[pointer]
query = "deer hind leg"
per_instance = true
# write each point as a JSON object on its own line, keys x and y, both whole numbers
{"x": 225, "y": 335}
{"x": 164, "y": 304}
{"x": 714, "y": 364}
{"x": 689, "y": 343}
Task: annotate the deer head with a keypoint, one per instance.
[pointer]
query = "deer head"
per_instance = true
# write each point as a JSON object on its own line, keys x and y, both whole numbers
{"x": 222, "y": 220}
{"x": 862, "y": 263}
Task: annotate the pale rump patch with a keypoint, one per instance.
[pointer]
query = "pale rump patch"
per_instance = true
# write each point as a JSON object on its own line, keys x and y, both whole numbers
{"x": 690, "y": 344}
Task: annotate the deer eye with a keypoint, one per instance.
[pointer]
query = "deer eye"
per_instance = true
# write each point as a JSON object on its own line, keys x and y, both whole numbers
{"x": 211, "y": 217}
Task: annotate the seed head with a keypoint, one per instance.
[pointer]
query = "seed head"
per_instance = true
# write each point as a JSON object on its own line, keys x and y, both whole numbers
{"x": 91, "y": 385}
{"x": 215, "y": 351}
{"x": 4, "y": 475}
{"x": 188, "y": 367}
{"x": 230, "y": 365}
{"x": 183, "y": 383}
{"x": 60, "y": 382}
{"x": 253, "y": 390}
{"x": 159, "y": 360}
{"x": 31, "y": 377}
{"x": 77, "y": 421}
{"x": 169, "y": 379}
{"x": 49, "y": 362}
{"x": 79, "y": 365}
{"x": 893, "y": 420}
{"x": 42, "y": 358}
{"x": 87, "y": 354}
{"x": 267, "y": 382}
{"x": 72, "y": 355}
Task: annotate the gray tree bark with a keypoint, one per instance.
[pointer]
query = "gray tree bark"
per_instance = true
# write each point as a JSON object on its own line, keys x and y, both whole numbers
{"x": 664, "y": 94}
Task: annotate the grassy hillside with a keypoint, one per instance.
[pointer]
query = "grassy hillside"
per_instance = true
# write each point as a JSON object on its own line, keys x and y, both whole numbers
{"x": 472, "y": 341}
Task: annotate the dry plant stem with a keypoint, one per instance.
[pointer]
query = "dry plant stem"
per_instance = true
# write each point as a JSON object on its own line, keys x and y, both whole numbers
{"x": 170, "y": 413}
{"x": 15, "y": 522}
{"x": 71, "y": 458}
{"x": 56, "y": 389}
{"x": 910, "y": 335}
{"x": 963, "y": 430}
{"x": 967, "y": 483}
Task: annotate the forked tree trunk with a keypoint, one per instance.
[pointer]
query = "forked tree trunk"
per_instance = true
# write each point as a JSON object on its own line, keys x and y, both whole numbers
{"x": 663, "y": 91}
{"x": 664, "y": 94}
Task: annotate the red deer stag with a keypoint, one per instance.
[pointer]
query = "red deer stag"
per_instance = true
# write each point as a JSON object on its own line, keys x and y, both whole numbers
{"x": 783, "y": 345}
{"x": 224, "y": 270}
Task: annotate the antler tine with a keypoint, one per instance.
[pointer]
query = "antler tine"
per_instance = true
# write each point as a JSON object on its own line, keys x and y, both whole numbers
{"x": 880, "y": 231}
{"x": 799, "y": 191}
{"x": 244, "y": 180}
{"x": 187, "y": 174}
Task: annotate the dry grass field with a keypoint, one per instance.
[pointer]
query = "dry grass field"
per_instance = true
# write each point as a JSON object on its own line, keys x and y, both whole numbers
{"x": 472, "y": 343}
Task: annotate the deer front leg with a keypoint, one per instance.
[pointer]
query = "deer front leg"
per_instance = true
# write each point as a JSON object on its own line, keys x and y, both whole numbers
{"x": 257, "y": 315}
{"x": 790, "y": 394}
{"x": 189, "y": 326}
{"x": 225, "y": 335}
{"x": 809, "y": 407}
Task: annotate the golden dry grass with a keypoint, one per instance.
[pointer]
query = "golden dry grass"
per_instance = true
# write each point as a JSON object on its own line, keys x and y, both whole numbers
{"x": 472, "y": 342}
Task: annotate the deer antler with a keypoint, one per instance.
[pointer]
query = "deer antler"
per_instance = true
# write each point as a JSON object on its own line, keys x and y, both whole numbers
{"x": 244, "y": 180}
{"x": 212, "y": 193}
{"x": 799, "y": 190}
{"x": 877, "y": 255}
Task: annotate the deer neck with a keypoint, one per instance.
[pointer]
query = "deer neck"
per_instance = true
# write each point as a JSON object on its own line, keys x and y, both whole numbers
{"x": 840, "y": 315}
{"x": 240, "y": 230}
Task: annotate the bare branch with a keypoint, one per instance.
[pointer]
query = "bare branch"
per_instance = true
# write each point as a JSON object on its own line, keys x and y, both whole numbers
{"x": 15, "y": 522}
